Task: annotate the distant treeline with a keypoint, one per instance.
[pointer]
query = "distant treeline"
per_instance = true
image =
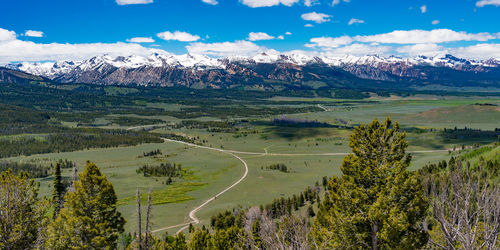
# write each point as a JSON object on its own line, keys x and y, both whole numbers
{"x": 33, "y": 170}
{"x": 210, "y": 126}
{"x": 469, "y": 133}
{"x": 163, "y": 170}
{"x": 133, "y": 121}
{"x": 152, "y": 153}
{"x": 65, "y": 163}
{"x": 295, "y": 122}
{"x": 73, "y": 140}
{"x": 278, "y": 166}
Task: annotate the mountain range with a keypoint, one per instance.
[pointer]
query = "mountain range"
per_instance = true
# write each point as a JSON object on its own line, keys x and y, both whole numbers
{"x": 274, "y": 71}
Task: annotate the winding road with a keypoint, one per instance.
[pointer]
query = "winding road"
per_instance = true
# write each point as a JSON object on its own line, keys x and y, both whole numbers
{"x": 192, "y": 213}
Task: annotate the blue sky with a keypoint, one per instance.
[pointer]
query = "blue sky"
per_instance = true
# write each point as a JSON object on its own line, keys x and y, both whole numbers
{"x": 62, "y": 29}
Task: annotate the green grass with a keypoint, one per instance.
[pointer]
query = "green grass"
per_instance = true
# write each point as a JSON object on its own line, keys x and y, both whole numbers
{"x": 209, "y": 172}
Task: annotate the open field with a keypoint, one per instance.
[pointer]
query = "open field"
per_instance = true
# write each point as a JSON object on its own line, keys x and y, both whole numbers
{"x": 208, "y": 171}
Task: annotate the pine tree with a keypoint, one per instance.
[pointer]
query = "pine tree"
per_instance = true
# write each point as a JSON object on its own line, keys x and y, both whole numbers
{"x": 89, "y": 219}
{"x": 200, "y": 240}
{"x": 179, "y": 242}
{"x": 376, "y": 203}
{"x": 59, "y": 190}
{"x": 22, "y": 214}
{"x": 256, "y": 234}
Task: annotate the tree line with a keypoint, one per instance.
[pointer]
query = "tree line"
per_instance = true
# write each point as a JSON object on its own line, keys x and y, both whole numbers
{"x": 73, "y": 140}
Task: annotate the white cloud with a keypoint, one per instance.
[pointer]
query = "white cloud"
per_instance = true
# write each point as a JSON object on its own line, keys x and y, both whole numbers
{"x": 435, "y": 22}
{"x": 316, "y": 17}
{"x": 289, "y": 33}
{"x": 483, "y": 3}
{"x": 18, "y": 50}
{"x": 424, "y": 36}
{"x": 358, "y": 49}
{"x": 310, "y": 3}
{"x": 478, "y": 51}
{"x": 354, "y": 20}
{"x": 33, "y": 33}
{"x": 126, "y": 2}
{"x": 417, "y": 42}
{"x": 6, "y": 35}
{"x": 223, "y": 49}
{"x": 268, "y": 3}
{"x": 426, "y": 49}
{"x": 423, "y": 8}
{"x": 257, "y": 36}
{"x": 211, "y": 2}
{"x": 308, "y": 25}
{"x": 281, "y": 37}
{"x": 329, "y": 42}
{"x": 178, "y": 35}
{"x": 141, "y": 40}
{"x": 335, "y": 2}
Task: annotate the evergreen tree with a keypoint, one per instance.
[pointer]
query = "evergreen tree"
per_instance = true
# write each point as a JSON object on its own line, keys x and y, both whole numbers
{"x": 230, "y": 238}
{"x": 21, "y": 212}
{"x": 59, "y": 190}
{"x": 255, "y": 233}
{"x": 376, "y": 203}
{"x": 89, "y": 219}
{"x": 179, "y": 243}
{"x": 201, "y": 239}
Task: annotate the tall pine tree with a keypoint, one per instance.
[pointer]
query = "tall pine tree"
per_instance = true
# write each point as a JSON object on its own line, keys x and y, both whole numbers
{"x": 89, "y": 219}
{"x": 59, "y": 190}
{"x": 376, "y": 203}
{"x": 22, "y": 213}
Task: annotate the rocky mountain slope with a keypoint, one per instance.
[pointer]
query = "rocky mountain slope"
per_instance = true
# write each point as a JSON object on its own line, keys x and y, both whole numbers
{"x": 270, "y": 70}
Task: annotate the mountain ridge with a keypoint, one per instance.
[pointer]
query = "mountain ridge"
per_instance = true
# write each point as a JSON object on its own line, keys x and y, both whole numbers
{"x": 264, "y": 68}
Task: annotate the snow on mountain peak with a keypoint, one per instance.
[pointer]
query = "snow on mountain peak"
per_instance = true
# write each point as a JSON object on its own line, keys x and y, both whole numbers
{"x": 203, "y": 62}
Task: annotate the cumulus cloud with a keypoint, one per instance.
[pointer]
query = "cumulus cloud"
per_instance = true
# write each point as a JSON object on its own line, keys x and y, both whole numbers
{"x": 316, "y": 17}
{"x": 141, "y": 40}
{"x": 126, "y": 2}
{"x": 411, "y": 42}
{"x": 354, "y": 20}
{"x": 483, "y": 3}
{"x": 308, "y": 25}
{"x": 178, "y": 36}
{"x": 424, "y": 36}
{"x": 223, "y": 49}
{"x": 289, "y": 33}
{"x": 427, "y": 49}
{"x": 268, "y": 3}
{"x": 6, "y": 35}
{"x": 33, "y": 33}
{"x": 329, "y": 42}
{"x": 257, "y": 36}
{"x": 358, "y": 49}
{"x": 423, "y": 8}
{"x": 435, "y": 22}
{"x": 211, "y": 2}
{"x": 18, "y": 50}
{"x": 478, "y": 51}
{"x": 281, "y": 37}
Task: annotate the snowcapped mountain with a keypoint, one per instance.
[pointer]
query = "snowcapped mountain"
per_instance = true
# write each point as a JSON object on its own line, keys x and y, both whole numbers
{"x": 290, "y": 68}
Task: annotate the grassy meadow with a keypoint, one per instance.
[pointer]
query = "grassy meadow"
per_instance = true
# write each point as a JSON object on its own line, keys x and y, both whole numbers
{"x": 207, "y": 172}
